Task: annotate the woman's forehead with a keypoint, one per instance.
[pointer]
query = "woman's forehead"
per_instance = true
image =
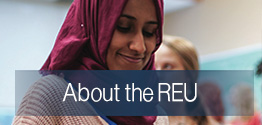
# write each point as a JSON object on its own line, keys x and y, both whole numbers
{"x": 141, "y": 9}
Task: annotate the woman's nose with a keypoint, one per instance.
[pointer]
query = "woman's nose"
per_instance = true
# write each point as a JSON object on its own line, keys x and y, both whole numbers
{"x": 138, "y": 44}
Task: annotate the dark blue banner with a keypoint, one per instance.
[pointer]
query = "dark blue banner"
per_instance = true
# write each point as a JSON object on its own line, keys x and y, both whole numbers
{"x": 130, "y": 93}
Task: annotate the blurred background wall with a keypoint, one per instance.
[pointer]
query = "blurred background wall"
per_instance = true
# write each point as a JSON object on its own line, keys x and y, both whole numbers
{"x": 218, "y": 25}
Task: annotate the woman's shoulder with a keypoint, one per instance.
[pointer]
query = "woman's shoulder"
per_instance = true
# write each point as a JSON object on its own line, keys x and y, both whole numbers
{"x": 47, "y": 86}
{"x": 42, "y": 95}
{"x": 49, "y": 82}
{"x": 46, "y": 98}
{"x": 43, "y": 104}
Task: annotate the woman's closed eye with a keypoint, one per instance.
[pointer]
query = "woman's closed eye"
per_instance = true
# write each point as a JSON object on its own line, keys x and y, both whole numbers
{"x": 149, "y": 30}
{"x": 123, "y": 29}
{"x": 148, "y": 34}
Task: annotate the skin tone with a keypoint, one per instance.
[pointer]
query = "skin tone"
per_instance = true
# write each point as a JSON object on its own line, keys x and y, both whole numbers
{"x": 167, "y": 59}
{"x": 134, "y": 37}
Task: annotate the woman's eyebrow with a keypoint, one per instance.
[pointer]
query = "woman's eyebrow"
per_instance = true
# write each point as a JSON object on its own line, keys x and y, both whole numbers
{"x": 152, "y": 22}
{"x": 128, "y": 16}
{"x": 133, "y": 18}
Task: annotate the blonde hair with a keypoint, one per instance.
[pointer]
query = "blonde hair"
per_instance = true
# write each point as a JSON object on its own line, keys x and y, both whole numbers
{"x": 184, "y": 49}
{"x": 188, "y": 55}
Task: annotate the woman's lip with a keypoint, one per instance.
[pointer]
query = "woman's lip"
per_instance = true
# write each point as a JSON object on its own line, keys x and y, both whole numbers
{"x": 132, "y": 59}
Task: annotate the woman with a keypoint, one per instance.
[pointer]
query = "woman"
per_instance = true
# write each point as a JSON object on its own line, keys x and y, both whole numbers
{"x": 102, "y": 35}
{"x": 211, "y": 97}
{"x": 176, "y": 53}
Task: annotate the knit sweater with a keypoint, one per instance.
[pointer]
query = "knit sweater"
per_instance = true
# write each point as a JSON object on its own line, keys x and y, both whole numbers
{"x": 45, "y": 96}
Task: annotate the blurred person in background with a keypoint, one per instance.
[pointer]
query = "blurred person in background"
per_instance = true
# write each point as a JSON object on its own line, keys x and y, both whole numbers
{"x": 242, "y": 97}
{"x": 211, "y": 97}
{"x": 177, "y": 53}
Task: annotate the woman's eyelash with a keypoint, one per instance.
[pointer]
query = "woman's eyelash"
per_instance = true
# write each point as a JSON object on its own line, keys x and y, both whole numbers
{"x": 123, "y": 29}
{"x": 148, "y": 34}
{"x": 127, "y": 29}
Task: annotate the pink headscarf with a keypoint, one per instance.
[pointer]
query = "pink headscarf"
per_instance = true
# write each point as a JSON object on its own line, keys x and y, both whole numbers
{"x": 85, "y": 36}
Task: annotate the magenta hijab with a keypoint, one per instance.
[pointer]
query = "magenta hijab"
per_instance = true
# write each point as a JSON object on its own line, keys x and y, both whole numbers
{"x": 85, "y": 36}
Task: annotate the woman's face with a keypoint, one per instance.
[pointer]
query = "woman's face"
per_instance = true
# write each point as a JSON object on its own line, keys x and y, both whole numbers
{"x": 167, "y": 59}
{"x": 134, "y": 37}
